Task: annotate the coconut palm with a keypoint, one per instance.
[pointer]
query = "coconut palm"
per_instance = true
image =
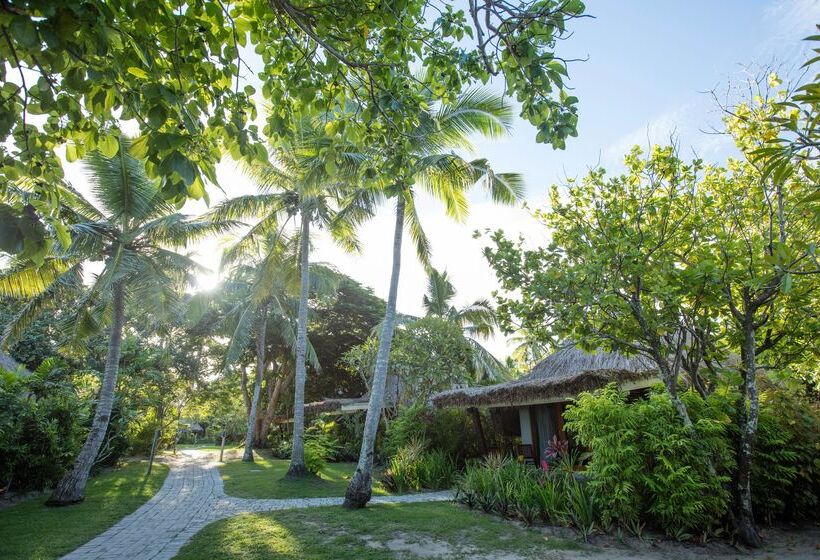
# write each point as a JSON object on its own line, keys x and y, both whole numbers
{"x": 426, "y": 162}
{"x": 265, "y": 284}
{"x": 479, "y": 321}
{"x": 131, "y": 231}
{"x": 301, "y": 181}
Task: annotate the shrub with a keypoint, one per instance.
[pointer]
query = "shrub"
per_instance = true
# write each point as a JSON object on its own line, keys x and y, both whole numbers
{"x": 501, "y": 485}
{"x": 786, "y": 466}
{"x": 40, "y": 427}
{"x": 645, "y": 463}
{"x": 448, "y": 430}
{"x": 413, "y": 468}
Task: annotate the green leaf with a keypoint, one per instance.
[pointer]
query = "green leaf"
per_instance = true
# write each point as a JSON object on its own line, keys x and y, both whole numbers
{"x": 157, "y": 116}
{"x": 108, "y": 146}
{"x": 71, "y": 154}
{"x": 138, "y": 72}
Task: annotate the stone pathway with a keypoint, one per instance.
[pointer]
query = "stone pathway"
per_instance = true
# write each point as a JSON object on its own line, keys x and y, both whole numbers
{"x": 192, "y": 497}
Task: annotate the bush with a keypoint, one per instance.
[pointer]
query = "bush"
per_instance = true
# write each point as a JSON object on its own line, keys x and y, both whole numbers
{"x": 646, "y": 465}
{"x": 320, "y": 446}
{"x": 41, "y": 428}
{"x": 501, "y": 485}
{"x": 450, "y": 431}
{"x": 413, "y": 468}
{"x": 786, "y": 466}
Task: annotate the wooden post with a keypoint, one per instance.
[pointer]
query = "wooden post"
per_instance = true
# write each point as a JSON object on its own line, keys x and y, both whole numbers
{"x": 222, "y": 446}
{"x": 473, "y": 412}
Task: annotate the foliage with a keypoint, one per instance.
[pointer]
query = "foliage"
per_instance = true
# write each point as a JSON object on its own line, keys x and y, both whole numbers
{"x": 78, "y": 72}
{"x": 427, "y": 355}
{"x": 449, "y": 430}
{"x": 786, "y": 469}
{"x": 478, "y": 320}
{"x": 645, "y": 465}
{"x": 41, "y": 426}
{"x": 341, "y": 322}
{"x": 413, "y": 467}
{"x": 501, "y": 485}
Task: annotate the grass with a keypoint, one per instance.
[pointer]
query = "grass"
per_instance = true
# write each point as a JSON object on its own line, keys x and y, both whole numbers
{"x": 264, "y": 478}
{"x": 424, "y": 530}
{"x": 31, "y": 531}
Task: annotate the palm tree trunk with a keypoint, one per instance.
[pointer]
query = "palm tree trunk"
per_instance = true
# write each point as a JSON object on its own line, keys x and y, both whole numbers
{"x": 71, "y": 488}
{"x": 361, "y": 485}
{"x": 297, "y": 458}
{"x": 261, "y": 331}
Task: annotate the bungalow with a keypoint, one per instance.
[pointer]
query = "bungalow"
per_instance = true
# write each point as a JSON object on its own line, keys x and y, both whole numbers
{"x": 531, "y": 407}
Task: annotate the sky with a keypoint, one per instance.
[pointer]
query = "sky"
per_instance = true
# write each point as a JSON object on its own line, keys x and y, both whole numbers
{"x": 647, "y": 70}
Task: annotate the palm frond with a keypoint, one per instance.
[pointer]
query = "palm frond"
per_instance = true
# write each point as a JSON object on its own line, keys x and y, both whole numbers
{"x": 440, "y": 292}
{"x": 178, "y": 230}
{"x": 122, "y": 186}
{"x": 22, "y": 280}
{"x": 69, "y": 281}
{"x": 416, "y": 231}
{"x": 485, "y": 365}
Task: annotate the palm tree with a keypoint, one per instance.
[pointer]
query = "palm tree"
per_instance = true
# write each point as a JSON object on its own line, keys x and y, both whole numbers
{"x": 301, "y": 181}
{"x": 130, "y": 231}
{"x": 427, "y": 161}
{"x": 267, "y": 288}
{"x": 479, "y": 321}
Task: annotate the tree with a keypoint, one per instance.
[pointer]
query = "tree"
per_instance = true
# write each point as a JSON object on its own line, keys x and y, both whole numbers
{"x": 427, "y": 355}
{"x": 764, "y": 230}
{"x": 423, "y": 161}
{"x": 478, "y": 320}
{"x": 129, "y": 233}
{"x": 267, "y": 289}
{"x": 342, "y": 322}
{"x": 306, "y": 179}
{"x": 79, "y": 70}
{"x": 683, "y": 269}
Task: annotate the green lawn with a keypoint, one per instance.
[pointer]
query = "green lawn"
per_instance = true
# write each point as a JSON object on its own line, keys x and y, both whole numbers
{"x": 264, "y": 478}
{"x": 432, "y": 530}
{"x": 31, "y": 531}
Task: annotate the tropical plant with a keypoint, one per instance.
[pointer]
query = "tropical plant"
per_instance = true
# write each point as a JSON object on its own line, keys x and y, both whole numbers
{"x": 478, "y": 319}
{"x": 129, "y": 233}
{"x": 308, "y": 179}
{"x": 265, "y": 286}
{"x": 425, "y": 162}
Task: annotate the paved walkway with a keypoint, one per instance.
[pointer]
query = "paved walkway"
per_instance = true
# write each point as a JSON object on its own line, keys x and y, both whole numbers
{"x": 192, "y": 497}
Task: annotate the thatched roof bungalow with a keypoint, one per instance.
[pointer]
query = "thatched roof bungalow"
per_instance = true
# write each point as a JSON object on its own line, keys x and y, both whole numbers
{"x": 533, "y": 405}
{"x": 557, "y": 378}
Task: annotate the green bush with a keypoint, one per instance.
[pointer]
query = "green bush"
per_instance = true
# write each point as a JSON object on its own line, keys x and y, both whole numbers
{"x": 645, "y": 465}
{"x": 413, "y": 468}
{"x": 786, "y": 466}
{"x": 499, "y": 484}
{"x": 320, "y": 446}
{"x": 41, "y": 429}
{"x": 448, "y": 430}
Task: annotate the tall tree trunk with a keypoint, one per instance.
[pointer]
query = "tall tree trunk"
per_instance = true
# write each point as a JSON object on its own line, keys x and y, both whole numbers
{"x": 297, "y": 458}
{"x": 748, "y": 410}
{"x": 260, "y": 418}
{"x": 155, "y": 439}
{"x": 361, "y": 485}
{"x": 261, "y": 331}
{"x": 280, "y": 386}
{"x": 71, "y": 488}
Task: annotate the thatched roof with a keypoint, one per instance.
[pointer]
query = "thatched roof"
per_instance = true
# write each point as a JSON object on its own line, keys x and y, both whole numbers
{"x": 560, "y": 376}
